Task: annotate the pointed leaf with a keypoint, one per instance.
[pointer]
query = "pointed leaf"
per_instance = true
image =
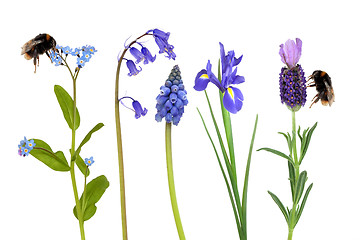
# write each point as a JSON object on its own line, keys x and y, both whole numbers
{"x": 288, "y": 140}
{"x": 82, "y": 166}
{"x": 292, "y": 179}
{"x": 280, "y": 205}
{"x": 298, "y": 215}
{"x": 67, "y": 106}
{"x": 307, "y": 142}
{"x": 300, "y": 186}
{"x": 87, "y": 137}
{"x": 94, "y": 191}
{"x": 44, "y": 153}
{"x": 277, "y": 153}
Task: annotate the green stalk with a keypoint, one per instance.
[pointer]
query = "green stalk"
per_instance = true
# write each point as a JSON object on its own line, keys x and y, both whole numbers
{"x": 292, "y": 217}
{"x": 72, "y": 162}
{"x": 119, "y": 141}
{"x": 171, "y": 181}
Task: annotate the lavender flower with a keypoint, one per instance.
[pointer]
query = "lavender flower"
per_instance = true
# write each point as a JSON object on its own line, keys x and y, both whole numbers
{"x": 292, "y": 78}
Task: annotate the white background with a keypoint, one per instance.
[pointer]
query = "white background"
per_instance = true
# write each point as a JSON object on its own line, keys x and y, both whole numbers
{"x": 36, "y": 202}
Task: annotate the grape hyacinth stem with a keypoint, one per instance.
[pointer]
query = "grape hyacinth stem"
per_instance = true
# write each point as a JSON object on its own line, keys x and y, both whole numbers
{"x": 171, "y": 181}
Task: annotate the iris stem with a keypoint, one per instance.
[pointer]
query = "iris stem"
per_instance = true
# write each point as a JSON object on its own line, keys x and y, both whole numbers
{"x": 171, "y": 181}
{"x": 119, "y": 141}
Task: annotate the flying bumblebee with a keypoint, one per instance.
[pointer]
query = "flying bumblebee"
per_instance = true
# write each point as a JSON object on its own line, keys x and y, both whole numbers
{"x": 322, "y": 82}
{"x": 42, "y": 43}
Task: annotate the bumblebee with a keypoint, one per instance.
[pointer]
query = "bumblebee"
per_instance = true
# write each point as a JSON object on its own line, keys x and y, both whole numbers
{"x": 42, "y": 43}
{"x": 322, "y": 82}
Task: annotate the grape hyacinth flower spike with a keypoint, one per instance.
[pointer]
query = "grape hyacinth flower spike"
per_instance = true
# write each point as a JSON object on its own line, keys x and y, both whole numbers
{"x": 170, "y": 105}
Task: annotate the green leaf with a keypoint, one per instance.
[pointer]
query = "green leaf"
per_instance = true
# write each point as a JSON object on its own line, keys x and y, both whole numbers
{"x": 94, "y": 191}
{"x": 224, "y": 176}
{"x": 292, "y": 179}
{"x": 307, "y": 139}
{"x": 288, "y": 140}
{"x": 280, "y": 205}
{"x": 277, "y": 153}
{"x": 298, "y": 215}
{"x": 82, "y": 166}
{"x": 246, "y": 179}
{"x": 300, "y": 186}
{"x": 67, "y": 106}
{"x": 44, "y": 153}
{"x": 87, "y": 137}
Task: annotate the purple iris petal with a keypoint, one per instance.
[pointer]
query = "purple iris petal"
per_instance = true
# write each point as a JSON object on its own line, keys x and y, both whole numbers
{"x": 139, "y": 111}
{"x": 132, "y": 68}
{"x": 290, "y": 52}
{"x": 137, "y": 54}
{"x": 201, "y": 80}
{"x": 233, "y": 100}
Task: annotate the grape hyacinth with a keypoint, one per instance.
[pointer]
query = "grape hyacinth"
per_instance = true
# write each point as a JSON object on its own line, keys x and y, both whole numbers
{"x": 172, "y": 98}
{"x": 292, "y": 78}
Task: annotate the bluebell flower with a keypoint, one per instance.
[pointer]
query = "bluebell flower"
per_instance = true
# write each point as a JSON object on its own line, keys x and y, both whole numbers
{"x": 89, "y": 161}
{"x": 161, "y": 39}
{"x": 147, "y": 55}
{"x": 292, "y": 79}
{"x": 132, "y": 68}
{"x": 25, "y": 147}
{"x": 136, "y": 107}
{"x": 232, "y": 96}
{"x": 172, "y": 98}
{"x": 137, "y": 54}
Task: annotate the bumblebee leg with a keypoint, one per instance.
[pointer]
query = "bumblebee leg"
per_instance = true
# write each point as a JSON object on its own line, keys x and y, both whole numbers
{"x": 47, "y": 54}
{"x": 316, "y": 100}
{"x": 312, "y": 84}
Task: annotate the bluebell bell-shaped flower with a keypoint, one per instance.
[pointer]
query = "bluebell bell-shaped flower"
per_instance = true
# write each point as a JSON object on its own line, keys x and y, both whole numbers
{"x": 233, "y": 97}
{"x": 132, "y": 68}
{"x": 136, "y": 107}
{"x": 147, "y": 55}
{"x": 161, "y": 39}
{"x": 292, "y": 79}
{"x": 172, "y": 98}
{"x": 137, "y": 54}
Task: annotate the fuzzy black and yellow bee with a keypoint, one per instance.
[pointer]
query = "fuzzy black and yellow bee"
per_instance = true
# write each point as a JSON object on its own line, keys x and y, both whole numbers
{"x": 322, "y": 82}
{"x": 42, "y": 43}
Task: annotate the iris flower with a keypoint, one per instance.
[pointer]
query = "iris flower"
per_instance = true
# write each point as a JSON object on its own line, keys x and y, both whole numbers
{"x": 233, "y": 97}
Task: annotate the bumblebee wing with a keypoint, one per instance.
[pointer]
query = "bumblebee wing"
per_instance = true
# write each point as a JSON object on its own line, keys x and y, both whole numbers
{"x": 29, "y": 45}
{"x": 329, "y": 93}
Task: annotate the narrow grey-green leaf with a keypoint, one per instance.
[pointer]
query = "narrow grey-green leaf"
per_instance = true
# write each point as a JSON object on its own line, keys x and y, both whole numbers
{"x": 288, "y": 140}
{"x": 292, "y": 179}
{"x": 43, "y": 152}
{"x": 280, "y": 205}
{"x": 67, "y": 106}
{"x": 298, "y": 215}
{"x": 307, "y": 142}
{"x": 300, "y": 186}
{"x": 277, "y": 153}
{"x": 94, "y": 191}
